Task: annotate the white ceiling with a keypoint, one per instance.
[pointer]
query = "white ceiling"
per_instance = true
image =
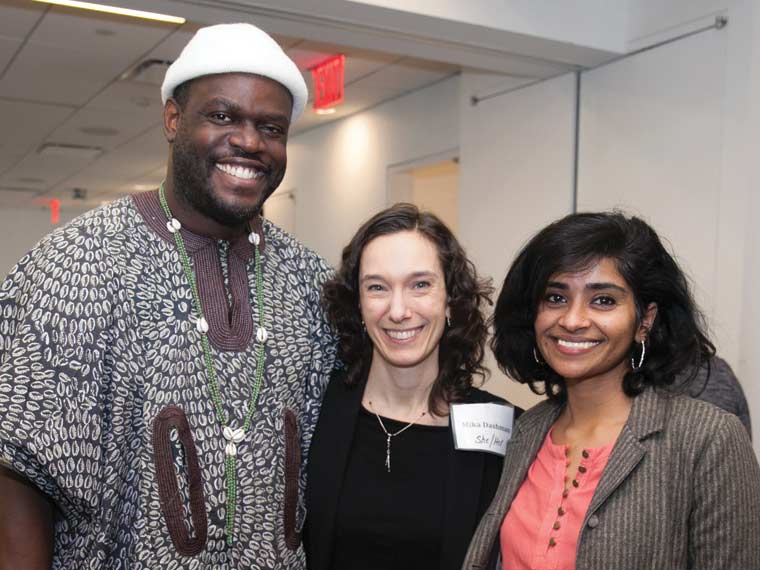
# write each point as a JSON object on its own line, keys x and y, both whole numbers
{"x": 61, "y": 82}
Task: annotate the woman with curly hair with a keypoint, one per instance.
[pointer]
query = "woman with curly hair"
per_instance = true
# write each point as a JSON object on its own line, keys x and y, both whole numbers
{"x": 386, "y": 487}
{"x": 616, "y": 469}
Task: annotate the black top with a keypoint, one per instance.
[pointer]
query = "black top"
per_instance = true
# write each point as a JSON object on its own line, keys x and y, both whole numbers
{"x": 392, "y": 519}
{"x": 468, "y": 480}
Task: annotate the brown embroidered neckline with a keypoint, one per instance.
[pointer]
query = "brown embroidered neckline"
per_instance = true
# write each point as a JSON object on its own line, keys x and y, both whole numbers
{"x": 230, "y": 326}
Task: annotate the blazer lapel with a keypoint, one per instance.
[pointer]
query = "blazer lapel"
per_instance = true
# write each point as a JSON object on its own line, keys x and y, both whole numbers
{"x": 647, "y": 417}
{"x": 625, "y": 456}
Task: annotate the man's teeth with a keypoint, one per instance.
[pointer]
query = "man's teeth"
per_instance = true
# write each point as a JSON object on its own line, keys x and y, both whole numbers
{"x": 569, "y": 344}
{"x": 402, "y": 335}
{"x": 240, "y": 171}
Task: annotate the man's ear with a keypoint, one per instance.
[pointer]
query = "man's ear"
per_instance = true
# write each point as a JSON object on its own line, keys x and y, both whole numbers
{"x": 646, "y": 322}
{"x": 172, "y": 114}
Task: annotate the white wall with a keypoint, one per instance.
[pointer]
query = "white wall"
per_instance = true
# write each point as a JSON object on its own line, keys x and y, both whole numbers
{"x": 21, "y": 228}
{"x": 338, "y": 172}
{"x": 650, "y": 144}
{"x": 728, "y": 158}
{"x": 516, "y": 175}
{"x": 650, "y": 21}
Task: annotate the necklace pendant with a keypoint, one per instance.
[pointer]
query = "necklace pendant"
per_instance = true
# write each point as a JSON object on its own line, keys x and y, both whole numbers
{"x": 254, "y": 238}
{"x": 261, "y": 334}
{"x": 173, "y": 225}
{"x": 201, "y": 325}
{"x": 233, "y": 437}
{"x": 388, "y": 453}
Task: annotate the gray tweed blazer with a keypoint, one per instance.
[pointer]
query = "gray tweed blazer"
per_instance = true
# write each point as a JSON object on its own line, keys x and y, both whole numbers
{"x": 681, "y": 490}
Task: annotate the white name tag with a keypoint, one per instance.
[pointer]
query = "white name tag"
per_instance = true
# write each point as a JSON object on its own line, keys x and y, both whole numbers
{"x": 482, "y": 427}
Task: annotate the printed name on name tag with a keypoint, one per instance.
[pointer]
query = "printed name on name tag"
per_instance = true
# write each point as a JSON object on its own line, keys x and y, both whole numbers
{"x": 482, "y": 427}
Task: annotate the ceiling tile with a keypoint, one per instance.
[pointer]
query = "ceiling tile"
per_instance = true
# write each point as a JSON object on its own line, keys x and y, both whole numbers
{"x": 141, "y": 156}
{"x": 54, "y": 75}
{"x": 172, "y": 45}
{"x": 406, "y": 76}
{"x": 70, "y": 56}
{"x": 8, "y": 48}
{"x": 358, "y": 66}
{"x": 103, "y": 128}
{"x": 6, "y": 161}
{"x": 19, "y": 17}
{"x": 106, "y": 34}
{"x": 130, "y": 97}
{"x": 49, "y": 169}
{"x": 25, "y": 126}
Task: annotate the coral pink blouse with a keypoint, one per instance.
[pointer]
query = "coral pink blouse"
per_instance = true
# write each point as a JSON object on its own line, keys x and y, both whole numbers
{"x": 541, "y": 529}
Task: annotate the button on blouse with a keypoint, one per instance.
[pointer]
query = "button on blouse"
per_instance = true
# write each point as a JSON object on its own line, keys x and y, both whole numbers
{"x": 541, "y": 529}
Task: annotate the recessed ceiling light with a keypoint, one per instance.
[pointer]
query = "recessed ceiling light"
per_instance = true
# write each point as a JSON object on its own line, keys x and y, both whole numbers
{"x": 328, "y": 111}
{"x": 116, "y": 10}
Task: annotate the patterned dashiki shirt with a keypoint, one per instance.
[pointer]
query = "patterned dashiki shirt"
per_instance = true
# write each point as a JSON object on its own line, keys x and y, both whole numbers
{"x": 104, "y": 401}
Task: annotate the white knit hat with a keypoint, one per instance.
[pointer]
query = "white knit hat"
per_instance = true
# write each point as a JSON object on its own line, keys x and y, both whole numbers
{"x": 236, "y": 48}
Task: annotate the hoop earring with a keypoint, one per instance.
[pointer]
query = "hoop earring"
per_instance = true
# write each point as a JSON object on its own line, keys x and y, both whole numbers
{"x": 641, "y": 360}
{"x": 536, "y": 358}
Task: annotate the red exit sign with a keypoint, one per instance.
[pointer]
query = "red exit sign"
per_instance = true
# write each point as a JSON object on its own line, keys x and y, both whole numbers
{"x": 328, "y": 79}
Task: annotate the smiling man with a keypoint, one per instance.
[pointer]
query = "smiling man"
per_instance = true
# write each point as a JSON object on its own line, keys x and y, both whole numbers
{"x": 162, "y": 358}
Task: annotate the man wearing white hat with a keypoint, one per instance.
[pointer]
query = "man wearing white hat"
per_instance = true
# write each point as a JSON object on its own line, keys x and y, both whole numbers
{"x": 162, "y": 358}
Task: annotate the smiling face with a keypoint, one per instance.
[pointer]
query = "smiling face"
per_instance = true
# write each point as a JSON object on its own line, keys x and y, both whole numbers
{"x": 228, "y": 145}
{"x": 586, "y": 323}
{"x": 402, "y": 296}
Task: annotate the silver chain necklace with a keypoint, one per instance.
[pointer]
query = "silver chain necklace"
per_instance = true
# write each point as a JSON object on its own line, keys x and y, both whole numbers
{"x": 389, "y": 435}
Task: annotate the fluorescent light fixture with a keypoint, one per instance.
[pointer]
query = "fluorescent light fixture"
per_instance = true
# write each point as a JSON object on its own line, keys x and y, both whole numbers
{"x": 328, "y": 111}
{"x": 116, "y": 10}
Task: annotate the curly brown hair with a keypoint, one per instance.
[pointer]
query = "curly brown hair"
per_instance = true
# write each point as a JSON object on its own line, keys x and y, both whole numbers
{"x": 461, "y": 350}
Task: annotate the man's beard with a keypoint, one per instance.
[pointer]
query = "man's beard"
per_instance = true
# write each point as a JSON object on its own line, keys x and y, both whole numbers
{"x": 192, "y": 182}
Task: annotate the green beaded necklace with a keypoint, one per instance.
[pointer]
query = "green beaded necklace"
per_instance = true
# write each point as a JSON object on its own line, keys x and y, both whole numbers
{"x": 232, "y": 435}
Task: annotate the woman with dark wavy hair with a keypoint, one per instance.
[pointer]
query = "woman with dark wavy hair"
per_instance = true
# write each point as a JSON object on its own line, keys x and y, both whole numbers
{"x": 386, "y": 487}
{"x": 617, "y": 469}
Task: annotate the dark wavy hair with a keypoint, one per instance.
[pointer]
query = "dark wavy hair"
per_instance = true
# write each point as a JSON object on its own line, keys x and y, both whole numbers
{"x": 461, "y": 348}
{"x": 676, "y": 343}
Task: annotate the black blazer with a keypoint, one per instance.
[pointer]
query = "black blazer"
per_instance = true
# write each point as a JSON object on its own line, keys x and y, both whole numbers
{"x": 472, "y": 479}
